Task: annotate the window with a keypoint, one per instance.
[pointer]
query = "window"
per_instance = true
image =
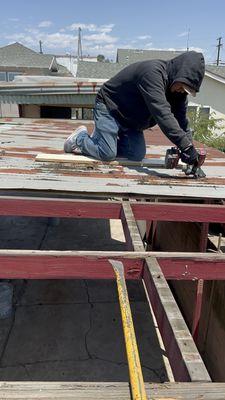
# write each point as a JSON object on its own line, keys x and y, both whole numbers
{"x": 204, "y": 112}
{"x": 2, "y": 76}
{"x": 11, "y": 75}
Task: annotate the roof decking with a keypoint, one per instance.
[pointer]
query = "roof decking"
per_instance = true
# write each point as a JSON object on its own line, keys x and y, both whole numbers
{"x": 21, "y": 140}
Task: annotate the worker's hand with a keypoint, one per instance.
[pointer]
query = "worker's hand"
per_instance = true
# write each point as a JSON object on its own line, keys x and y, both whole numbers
{"x": 189, "y": 155}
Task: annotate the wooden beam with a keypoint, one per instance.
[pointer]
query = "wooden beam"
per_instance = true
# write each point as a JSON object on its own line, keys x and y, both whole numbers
{"x": 184, "y": 358}
{"x": 85, "y": 160}
{"x": 179, "y": 212}
{"x": 197, "y": 309}
{"x": 46, "y": 264}
{"x": 131, "y": 231}
{"x": 64, "y": 207}
{"x": 109, "y": 391}
{"x": 35, "y": 265}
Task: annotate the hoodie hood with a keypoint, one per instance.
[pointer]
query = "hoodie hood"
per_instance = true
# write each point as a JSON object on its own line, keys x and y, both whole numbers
{"x": 188, "y": 68}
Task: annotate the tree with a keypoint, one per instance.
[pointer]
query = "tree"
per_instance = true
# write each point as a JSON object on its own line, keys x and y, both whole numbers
{"x": 207, "y": 129}
{"x": 100, "y": 58}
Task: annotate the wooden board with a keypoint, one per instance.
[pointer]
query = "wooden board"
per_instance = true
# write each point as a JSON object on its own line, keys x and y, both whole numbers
{"x": 185, "y": 361}
{"x": 81, "y": 160}
{"x": 109, "y": 391}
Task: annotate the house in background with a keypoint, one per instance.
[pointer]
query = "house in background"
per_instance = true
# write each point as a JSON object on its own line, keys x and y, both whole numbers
{"x": 18, "y": 60}
{"x": 67, "y": 96}
{"x": 129, "y": 56}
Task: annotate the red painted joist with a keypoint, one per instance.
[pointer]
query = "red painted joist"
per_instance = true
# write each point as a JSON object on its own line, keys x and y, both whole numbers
{"x": 172, "y": 349}
{"x": 64, "y": 267}
{"x": 43, "y": 207}
{"x": 192, "y": 269}
{"x": 179, "y": 212}
{"x": 184, "y": 358}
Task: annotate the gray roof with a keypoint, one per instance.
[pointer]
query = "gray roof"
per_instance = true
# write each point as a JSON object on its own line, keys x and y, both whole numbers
{"x": 103, "y": 70}
{"x": 18, "y": 56}
{"x": 128, "y": 56}
{"x": 97, "y": 70}
{"x": 216, "y": 70}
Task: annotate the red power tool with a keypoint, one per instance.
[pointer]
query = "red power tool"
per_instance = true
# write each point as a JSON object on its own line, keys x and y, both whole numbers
{"x": 172, "y": 159}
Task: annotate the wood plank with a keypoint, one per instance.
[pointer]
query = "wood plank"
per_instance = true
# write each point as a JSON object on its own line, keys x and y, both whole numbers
{"x": 66, "y": 208}
{"x": 109, "y": 391}
{"x": 131, "y": 231}
{"x": 72, "y": 208}
{"x": 86, "y": 160}
{"x": 110, "y": 186}
{"x": 179, "y": 212}
{"x": 41, "y": 264}
{"x": 30, "y": 266}
{"x": 185, "y": 361}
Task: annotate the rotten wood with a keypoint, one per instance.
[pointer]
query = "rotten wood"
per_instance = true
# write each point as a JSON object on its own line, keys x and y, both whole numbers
{"x": 185, "y": 361}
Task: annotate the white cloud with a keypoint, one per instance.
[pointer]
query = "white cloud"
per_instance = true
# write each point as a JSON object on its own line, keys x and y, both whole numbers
{"x": 183, "y": 34}
{"x": 50, "y": 41}
{"x": 45, "y": 24}
{"x": 107, "y": 28}
{"x": 100, "y": 38}
{"x": 144, "y": 37}
{"x": 95, "y": 38}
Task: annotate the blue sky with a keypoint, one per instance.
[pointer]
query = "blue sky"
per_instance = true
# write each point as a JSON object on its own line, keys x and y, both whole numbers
{"x": 108, "y": 25}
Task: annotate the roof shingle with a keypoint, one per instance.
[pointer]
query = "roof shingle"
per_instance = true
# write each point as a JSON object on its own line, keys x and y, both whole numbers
{"x": 18, "y": 56}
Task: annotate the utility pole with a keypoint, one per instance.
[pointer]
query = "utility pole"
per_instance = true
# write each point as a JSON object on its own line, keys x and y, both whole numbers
{"x": 218, "y": 51}
{"x": 40, "y": 44}
{"x": 79, "y": 47}
{"x": 188, "y": 36}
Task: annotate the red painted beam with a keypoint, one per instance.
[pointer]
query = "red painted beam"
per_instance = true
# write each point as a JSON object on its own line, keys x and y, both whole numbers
{"x": 192, "y": 269}
{"x": 179, "y": 212}
{"x": 45, "y": 207}
{"x": 66, "y": 208}
{"x": 40, "y": 264}
{"x": 64, "y": 267}
{"x": 197, "y": 309}
{"x": 184, "y": 358}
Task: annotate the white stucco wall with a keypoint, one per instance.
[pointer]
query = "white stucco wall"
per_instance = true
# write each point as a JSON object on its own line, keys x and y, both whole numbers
{"x": 212, "y": 93}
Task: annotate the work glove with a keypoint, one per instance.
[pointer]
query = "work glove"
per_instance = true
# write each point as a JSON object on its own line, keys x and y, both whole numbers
{"x": 189, "y": 155}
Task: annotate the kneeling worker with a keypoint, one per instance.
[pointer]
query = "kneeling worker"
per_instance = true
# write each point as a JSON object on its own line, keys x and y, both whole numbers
{"x": 140, "y": 96}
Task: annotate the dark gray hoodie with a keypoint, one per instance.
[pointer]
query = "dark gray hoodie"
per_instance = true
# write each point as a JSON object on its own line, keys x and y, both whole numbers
{"x": 139, "y": 96}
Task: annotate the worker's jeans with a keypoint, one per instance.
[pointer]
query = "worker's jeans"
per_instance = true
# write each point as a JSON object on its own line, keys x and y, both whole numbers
{"x": 109, "y": 139}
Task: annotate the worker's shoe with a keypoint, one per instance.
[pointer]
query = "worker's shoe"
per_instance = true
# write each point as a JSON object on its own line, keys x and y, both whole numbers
{"x": 70, "y": 145}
